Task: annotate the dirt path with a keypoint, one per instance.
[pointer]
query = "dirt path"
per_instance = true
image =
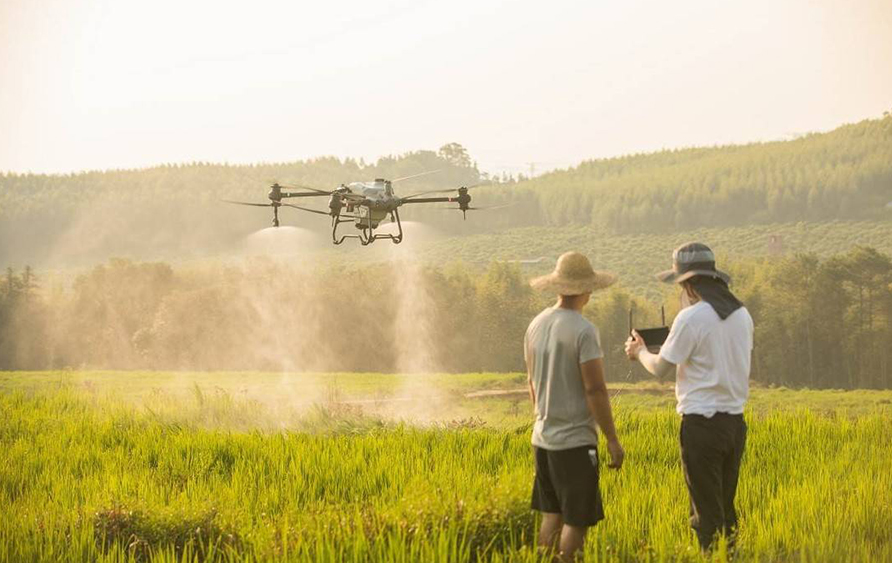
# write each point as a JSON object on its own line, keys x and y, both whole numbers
{"x": 497, "y": 393}
{"x": 524, "y": 392}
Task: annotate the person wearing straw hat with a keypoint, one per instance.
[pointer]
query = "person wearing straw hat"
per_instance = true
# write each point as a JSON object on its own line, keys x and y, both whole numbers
{"x": 565, "y": 372}
{"x": 709, "y": 348}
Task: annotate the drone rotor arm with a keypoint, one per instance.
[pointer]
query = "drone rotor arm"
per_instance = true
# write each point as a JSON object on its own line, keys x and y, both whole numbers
{"x": 429, "y": 200}
{"x": 445, "y": 191}
{"x": 304, "y": 194}
{"x": 428, "y": 192}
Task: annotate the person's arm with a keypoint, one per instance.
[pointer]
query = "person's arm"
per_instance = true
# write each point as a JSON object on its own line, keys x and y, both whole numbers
{"x": 657, "y": 365}
{"x": 528, "y": 360}
{"x": 598, "y": 400}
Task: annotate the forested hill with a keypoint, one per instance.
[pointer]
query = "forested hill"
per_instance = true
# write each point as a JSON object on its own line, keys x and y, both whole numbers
{"x": 175, "y": 210}
{"x": 843, "y": 174}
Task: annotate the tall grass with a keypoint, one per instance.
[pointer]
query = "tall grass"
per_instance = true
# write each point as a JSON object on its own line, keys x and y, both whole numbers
{"x": 90, "y": 480}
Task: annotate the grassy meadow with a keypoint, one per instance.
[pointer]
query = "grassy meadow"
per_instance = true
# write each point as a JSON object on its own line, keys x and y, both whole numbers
{"x": 139, "y": 466}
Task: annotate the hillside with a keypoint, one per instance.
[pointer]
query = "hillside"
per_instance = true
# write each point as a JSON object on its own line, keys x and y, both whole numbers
{"x": 843, "y": 174}
{"x": 174, "y": 211}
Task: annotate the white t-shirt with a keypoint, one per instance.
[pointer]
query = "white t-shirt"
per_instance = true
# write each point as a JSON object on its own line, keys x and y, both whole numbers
{"x": 556, "y": 343}
{"x": 712, "y": 358}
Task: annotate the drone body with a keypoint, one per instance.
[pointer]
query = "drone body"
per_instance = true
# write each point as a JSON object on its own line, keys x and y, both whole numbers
{"x": 365, "y": 204}
{"x": 374, "y": 201}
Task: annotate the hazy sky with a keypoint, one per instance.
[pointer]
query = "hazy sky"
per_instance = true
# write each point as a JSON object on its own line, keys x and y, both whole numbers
{"x": 88, "y": 84}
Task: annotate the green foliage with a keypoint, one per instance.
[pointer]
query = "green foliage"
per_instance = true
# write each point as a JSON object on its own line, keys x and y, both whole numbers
{"x": 829, "y": 324}
{"x": 84, "y": 479}
{"x": 823, "y": 323}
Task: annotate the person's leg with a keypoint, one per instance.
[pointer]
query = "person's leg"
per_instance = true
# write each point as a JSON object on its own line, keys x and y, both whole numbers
{"x": 546, "y": 501}
{"x": 576, "y": 478}
{"x": 550, "y": 531}
{"x": 702, "y": 456}
{"x": 572, "y": 542}
{"x": 730, "y": 475}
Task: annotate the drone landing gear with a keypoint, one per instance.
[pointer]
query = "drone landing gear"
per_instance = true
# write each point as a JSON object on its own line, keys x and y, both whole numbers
{"x": 366, "y": 234}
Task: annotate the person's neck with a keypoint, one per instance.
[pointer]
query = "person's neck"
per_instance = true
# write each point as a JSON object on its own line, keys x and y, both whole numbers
{"x": 570, "y": 304}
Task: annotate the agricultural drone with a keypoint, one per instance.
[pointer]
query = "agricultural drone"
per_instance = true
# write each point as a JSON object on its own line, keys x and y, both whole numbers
{"x": 365, "y": 204}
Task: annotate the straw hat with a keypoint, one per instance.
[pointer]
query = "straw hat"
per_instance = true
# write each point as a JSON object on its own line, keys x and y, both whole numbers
{"x": 573, "y": 275}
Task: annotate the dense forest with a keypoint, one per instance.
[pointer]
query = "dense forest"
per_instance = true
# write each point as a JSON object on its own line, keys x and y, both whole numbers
{"x": 843, "y": 174}
{"x": 175, "y": 212}
{"x": 820, "y": 322}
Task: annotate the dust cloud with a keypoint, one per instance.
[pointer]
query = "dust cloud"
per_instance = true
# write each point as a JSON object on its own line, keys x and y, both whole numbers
{"x": 280, "y": 302}
{"x": 282, "y": 241}
{"x": 414, "y": 332}
{"x": 415, "y": 310}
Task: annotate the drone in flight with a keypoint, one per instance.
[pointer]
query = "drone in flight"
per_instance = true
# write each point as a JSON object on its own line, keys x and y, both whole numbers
{"x": 365, "y": 204}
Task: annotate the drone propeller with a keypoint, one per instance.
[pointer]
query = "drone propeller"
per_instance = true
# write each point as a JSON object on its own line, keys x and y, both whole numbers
{"x": 305, "y": 209}
{"x": 274, "y": 204}
{"x": 251, "y": 204}
{"x": 414, "y": 176}
{"x": 490, "y": 207}
{"x": 296, "y": 187}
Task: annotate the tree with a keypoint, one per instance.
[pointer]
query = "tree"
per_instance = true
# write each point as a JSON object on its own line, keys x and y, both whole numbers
{"x": 455, "y": 154}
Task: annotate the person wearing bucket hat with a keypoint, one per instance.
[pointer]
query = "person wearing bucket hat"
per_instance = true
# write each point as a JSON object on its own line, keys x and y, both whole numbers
{"x": 709, "y": 348}
{"x": 565, "y": 373}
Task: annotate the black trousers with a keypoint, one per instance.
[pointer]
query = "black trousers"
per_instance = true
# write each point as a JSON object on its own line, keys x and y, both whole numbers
{"x": 711, "y": 450}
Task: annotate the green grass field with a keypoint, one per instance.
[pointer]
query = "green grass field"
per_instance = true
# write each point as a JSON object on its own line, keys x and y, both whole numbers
{"x": 118, "y": 466}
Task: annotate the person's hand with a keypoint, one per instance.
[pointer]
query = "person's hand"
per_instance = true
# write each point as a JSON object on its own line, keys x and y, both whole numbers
{"x": 634, "y": 345}
{"x": 617, "y": 454}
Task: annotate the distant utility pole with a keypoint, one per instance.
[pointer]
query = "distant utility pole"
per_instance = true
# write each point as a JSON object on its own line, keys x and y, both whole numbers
{"x": 532, "y": 169}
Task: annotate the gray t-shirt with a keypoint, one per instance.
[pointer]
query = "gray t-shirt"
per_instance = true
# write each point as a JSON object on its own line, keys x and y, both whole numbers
{"x": 556, "y": 343}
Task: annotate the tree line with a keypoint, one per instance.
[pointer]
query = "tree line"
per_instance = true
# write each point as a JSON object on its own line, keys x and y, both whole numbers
{"x": 819, "y": 322}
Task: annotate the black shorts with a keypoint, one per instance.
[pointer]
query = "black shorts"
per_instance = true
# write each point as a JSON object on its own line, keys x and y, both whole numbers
{"x": 567, "y": 483}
